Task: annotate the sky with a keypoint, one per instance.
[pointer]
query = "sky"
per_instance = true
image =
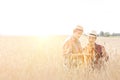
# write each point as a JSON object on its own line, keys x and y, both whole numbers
{"x": 48, "y": 17}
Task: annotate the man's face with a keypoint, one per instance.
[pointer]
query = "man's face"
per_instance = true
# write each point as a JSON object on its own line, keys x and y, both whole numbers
{"x": 92, "y": 39}
{"x": 77, "y": 34}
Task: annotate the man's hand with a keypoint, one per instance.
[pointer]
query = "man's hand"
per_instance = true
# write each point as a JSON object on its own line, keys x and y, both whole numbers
{"x": 106, "y": 58}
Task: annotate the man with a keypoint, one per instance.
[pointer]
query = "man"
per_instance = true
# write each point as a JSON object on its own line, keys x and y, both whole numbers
{"x": 72, "y": 50}
{"x": 95, "y": 54}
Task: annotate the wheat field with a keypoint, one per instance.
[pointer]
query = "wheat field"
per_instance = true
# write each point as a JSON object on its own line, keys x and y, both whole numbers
{"x": 40, "y": 58}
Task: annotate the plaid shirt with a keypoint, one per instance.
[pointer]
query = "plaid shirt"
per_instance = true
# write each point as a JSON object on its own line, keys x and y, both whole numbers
{"x": 97, "y": 54}
{"x": 72, "y": 46}
{"x": 72, "y": 51}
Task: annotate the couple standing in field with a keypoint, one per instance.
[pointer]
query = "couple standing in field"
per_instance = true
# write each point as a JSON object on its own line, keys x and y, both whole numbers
{"x": 92, "y": 55}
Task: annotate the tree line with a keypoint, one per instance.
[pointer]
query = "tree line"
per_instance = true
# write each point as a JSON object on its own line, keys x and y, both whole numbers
{"x": 107, "y": 34}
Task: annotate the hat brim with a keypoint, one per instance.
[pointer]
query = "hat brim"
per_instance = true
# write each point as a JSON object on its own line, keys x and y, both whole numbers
{"x": 93, "y": 35}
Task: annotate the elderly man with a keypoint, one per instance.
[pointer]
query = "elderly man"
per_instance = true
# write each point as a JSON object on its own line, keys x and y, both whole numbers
{"x": 72, "y": 50}
{"x": 95, "y": 54}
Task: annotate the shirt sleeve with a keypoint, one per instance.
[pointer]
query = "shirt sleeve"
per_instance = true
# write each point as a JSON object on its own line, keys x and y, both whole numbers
{"x": 105, "y": 54}
{"x": 67, "y": 48}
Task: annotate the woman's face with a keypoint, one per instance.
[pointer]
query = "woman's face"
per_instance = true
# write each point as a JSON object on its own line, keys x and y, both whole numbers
{"x": 92, "y": 39}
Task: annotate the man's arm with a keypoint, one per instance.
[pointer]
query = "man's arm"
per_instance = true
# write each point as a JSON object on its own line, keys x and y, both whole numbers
{"x": 67, "y": 48}
{"x": 105, "y": 54}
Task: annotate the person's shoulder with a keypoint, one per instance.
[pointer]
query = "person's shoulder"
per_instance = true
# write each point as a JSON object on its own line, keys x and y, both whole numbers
{"x": 67, "y": 40}
{"x": 99, "y": 45}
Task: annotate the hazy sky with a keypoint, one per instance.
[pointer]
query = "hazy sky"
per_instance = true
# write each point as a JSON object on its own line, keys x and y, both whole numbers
{"x": 42, "y": 17}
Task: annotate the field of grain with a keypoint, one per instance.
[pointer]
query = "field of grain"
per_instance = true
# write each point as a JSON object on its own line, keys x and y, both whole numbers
{"x": 40, "y": 58}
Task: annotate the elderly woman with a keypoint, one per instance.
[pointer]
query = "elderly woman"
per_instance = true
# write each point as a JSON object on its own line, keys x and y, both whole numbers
{"x": 95, "y": 54}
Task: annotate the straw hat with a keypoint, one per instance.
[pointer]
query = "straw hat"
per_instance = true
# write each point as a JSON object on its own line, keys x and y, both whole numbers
{"x": 78, "y": 28}
{"x": 93, "y": 33}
